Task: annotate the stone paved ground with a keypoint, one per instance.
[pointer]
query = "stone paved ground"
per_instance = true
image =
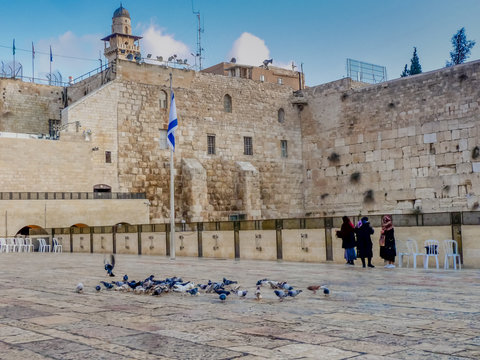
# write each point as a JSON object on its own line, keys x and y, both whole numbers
{"x": 371, "y": 313}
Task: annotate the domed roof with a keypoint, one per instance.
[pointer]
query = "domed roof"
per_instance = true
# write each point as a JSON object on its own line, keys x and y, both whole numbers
{"x": 121, "y": 12}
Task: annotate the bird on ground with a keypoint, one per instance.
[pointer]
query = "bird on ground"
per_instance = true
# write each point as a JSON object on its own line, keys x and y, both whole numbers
{"x": 262, "y": 282}
{"x": 193, "y": 291}
{"x": 183, "y": 287}
{"x": 203, "y": 287}
{"x": 79, "y": 288}
{"x": 98, "y": 288}
{"x": 109, "y": 262}
{"x": 241, "y": 293}
{"x": 125, "y": 277}
{"x": 157, "y": 291}
{"x": 229, "y": 282}
{"x": 313, "y": 288}
{"x": 285, "y": 286}
{"x": 326, "y": 291}
{"x": 281, "y": 294}
{"x": 107, "y": 285}
{"x": 293, "y": 293}
{"x": 221, "y": 291}
{"x": 222, "y": 297}
{"x": 258, "y": 294}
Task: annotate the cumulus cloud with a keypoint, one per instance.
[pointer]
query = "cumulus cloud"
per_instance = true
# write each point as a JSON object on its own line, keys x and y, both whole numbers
{"x": 249, "y": 49}
{"x": 156, "y": 42}
{"x": 73, "y": 55}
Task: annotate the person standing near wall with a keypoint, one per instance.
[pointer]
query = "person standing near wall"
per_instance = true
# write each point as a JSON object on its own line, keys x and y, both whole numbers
{"x": 347, "y": 234}
{"x": 364, "y": 241}
{"x": 387, "y": 242}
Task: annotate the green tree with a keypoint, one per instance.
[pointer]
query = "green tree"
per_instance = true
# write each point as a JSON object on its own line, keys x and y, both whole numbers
{"x": 415, "y": 67}
{"x": 461, "y": 48}
{"x": 405, "y": 71}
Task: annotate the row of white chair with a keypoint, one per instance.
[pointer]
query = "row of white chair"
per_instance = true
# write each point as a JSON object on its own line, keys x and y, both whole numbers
{"x": 26, "y": 245}
{"x": 432, "y": 247}
{"x": 16, "y": 245}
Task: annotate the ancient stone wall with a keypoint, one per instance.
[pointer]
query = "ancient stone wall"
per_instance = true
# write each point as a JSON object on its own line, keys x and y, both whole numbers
{"x": 144, "y": 167}
{"x": 27, "y": 107}
{"x": 407, "y": 145}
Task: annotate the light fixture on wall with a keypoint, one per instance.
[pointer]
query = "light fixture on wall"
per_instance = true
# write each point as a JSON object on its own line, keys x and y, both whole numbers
{"x": 87, "y": 134}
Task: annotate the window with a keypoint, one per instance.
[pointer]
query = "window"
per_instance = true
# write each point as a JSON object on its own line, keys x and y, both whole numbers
{"x": 280, "y": 81}
{"x": 227, "y": 103}
{"x": 53, "y": 128}
{"x": 247, "y": 145}
{"x": 281, "y": 115}
{"x": 262, "y": 78}
{"x": 163, "y": 99}
{"x": 163, "y": 139}
{"x": 211, "y": 144}
{"x": 283, "y": 146}
{"x": 108, "y": 157}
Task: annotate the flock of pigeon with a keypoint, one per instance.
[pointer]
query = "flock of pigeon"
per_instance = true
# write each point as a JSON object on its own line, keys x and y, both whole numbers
{"x": 223, "y": 289}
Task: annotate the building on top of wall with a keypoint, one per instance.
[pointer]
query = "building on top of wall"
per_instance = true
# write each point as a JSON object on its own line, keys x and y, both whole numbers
{"x": 121, "y": 43}
{"x": 263, "y": 73}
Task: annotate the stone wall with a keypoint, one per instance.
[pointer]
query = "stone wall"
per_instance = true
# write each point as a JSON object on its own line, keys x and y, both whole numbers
{"x": 27, "y": 107}
{"x": 407, "y": 145}
{"x": 128, "y": 112}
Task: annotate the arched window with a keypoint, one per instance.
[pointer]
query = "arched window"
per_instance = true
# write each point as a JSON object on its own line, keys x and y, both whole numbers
{"x": 281, "y": 115}
{"x": 126, "y": 30}
{"x": 227, "y": 103}
{"x": 163, "y": 99}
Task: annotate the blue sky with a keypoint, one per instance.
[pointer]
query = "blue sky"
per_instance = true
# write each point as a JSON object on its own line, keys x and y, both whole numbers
{"x": 320, "y": 34}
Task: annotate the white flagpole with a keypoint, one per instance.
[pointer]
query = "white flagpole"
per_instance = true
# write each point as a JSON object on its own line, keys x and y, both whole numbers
{"x": 172, "y": 198}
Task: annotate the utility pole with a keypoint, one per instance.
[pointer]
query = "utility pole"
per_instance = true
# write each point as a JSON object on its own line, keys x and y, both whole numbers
{"x": 200, "y": 30}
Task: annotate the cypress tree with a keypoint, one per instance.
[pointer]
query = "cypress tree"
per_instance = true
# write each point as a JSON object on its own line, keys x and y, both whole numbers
{"x": 415, "y": 67}
{"x": 405, "y": 71}
{"x": 461, "y": 48}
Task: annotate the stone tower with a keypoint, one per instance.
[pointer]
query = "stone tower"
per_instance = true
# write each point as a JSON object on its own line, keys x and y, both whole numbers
{"x": 121, "y": 43}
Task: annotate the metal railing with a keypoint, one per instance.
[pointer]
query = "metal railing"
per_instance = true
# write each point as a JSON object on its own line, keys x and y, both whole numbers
{"x": 70, "y": 196}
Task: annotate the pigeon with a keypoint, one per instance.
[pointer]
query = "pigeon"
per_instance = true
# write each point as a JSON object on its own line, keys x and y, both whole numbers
{"x": 228, "y": 282}
{"x": 294, "y": 293}
{"x": 109, "y": 262}
{"x": 281, "y": 294}
{"x": 193, "y": 291}
{"x": 313, "y": 288}
{"x": 262, "y": 282}
{"x": 183, "y": 287}
{"x": 258, "y": 294}
{"x": 241, "y": 293}
{"x": 326, "y": 292}
{"x": 285, "y": 286}
{"x": 79, "y": 288}
{"x": 222, "y": 297}
{"x": 98, "y": 288}
{"x": 221, "y": 291}
{"x": 125, "y": 277}
{"x": 157, "y": 291}
{"x": 203, "y": 287}
{"x": 107, "y": 285}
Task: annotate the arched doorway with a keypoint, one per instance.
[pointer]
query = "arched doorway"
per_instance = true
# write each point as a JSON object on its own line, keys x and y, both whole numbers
{"x": 32, "y": 230}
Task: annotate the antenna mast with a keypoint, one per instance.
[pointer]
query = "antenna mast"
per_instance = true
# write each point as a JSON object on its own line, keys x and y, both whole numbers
{"x": 200, "y": 30}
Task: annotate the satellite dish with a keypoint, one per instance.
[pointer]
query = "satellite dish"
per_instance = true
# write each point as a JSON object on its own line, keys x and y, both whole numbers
{"x": 185, "y": 61}
{"x": 170, "y": 58}
{"x": 130, "y": 57}
{"x": 233, "y": 60}
{"x": 149, "y": 56}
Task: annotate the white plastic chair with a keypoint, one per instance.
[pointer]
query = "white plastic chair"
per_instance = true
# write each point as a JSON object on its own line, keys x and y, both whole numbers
{"x": 20, "y": 242}
{"x": 28, "y": 245}
{"x": 3, "y": 245}
{"x": 11, "y": 246}
{"x": 43, "y": 245}
{"x": 451, "y": 250}
{"x": 413, "y": 252}
{"x": 56, "y": 246}
{"x": 431, "y": 249}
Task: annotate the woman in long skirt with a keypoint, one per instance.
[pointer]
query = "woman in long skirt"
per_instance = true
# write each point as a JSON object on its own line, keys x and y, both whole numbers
{"x": 347, "y": 234}
{"x": 388, "y": 249}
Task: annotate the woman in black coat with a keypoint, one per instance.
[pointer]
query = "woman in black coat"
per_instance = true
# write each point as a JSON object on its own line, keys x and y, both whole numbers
{"x": 347, "y": 234}
{"x": 364, "y": 241}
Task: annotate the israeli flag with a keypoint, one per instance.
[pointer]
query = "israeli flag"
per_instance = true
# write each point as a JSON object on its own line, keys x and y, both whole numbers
{"x": 172, "y": 123}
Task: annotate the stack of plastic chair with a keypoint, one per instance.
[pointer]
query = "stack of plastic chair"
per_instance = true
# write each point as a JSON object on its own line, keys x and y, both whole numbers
{"x": 56, "y": 246}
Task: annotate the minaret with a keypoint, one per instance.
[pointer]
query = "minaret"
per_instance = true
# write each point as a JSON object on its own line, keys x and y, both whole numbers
{"x": 121, "y": 43}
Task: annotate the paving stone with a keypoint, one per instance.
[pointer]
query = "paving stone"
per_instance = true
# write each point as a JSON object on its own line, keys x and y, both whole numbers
{"x": 401, "y": 314}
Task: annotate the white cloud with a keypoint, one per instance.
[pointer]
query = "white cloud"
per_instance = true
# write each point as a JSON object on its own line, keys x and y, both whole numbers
{"x": 156, "y": 42}
{"x": 249, "y": 49}
{"x": 72, "y": 55}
